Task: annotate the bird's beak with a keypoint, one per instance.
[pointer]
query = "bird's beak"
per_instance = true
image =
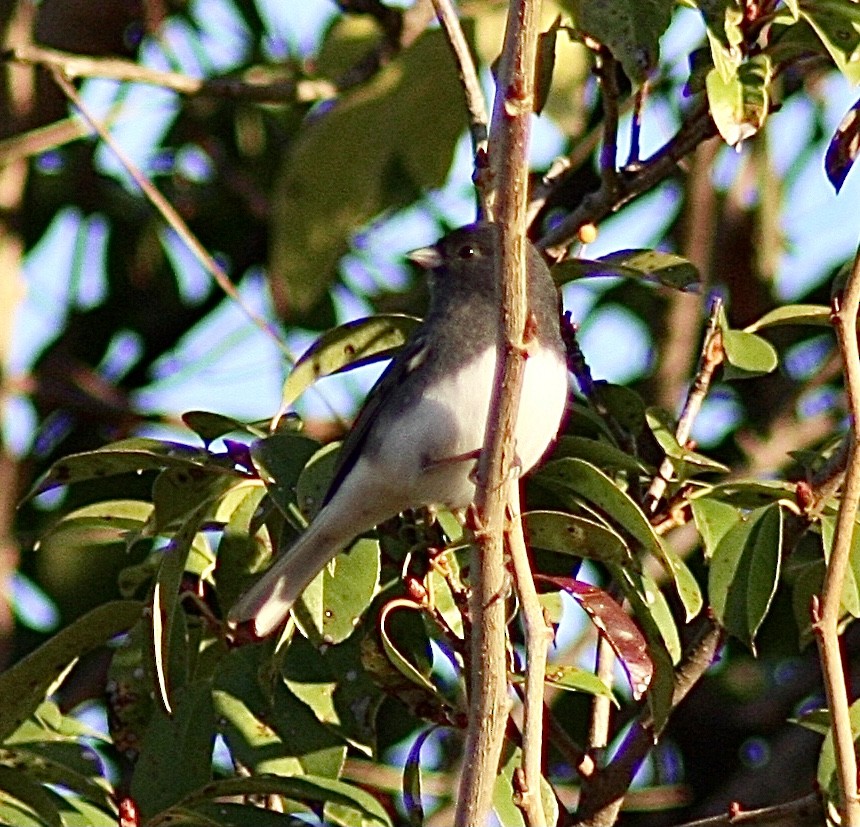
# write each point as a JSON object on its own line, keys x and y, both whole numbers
{"x": 428, "y": 258}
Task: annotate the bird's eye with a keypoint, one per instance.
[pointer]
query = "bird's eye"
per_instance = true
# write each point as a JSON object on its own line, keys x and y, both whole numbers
{"x": 467, "y": 251}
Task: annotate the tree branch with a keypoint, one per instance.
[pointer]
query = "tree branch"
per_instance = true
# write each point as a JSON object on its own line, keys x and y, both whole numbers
{"x": 826, "y": 623}
{"x": 513, "y": 106}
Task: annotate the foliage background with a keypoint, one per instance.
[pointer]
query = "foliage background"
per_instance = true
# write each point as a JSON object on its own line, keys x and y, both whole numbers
{"x": 113, "y": 330}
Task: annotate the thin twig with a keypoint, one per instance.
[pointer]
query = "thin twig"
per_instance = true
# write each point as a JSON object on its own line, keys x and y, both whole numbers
{"x": 74, "y": 66}
{"x": 538, "y": 637}
{"x": 509, "y": 140}
{"x": 474, "y": 95}
{"x": 826, "y": 624}
{"x": 636, "y": 124}
{"x": 710, "y": 358}
{"x": 804, "y": 812}
{"x": 606, "y": 68}
{"x": 170, "y": 215}
{"x": 697, "y": 127}
{"x": 601, "y": 705}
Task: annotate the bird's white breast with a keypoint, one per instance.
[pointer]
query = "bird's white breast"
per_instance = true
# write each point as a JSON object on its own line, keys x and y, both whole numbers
{"x": 450, "y": 422}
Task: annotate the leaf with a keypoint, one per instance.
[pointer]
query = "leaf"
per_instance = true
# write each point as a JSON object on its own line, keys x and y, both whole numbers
{"x": 622, "y": 513}
{"x": 347, "y": 798}
{"x": 126, "y": 456}
{"x": 630, "y": 29}
{"x": 851, "y": 584}
{"x": 615, "y": 625}
{"x": 805, "y": 314}
{"x": 713, "y": 519}
{"x": 745, "y": 572}
{"x": 740, "y": 104}
{"x": 398, "y": 659}
{"x": 211, "y": 426}
{"x": 280, "y": 459}
{"x": 176, "y": 753}
{"x": 506, "y": 811}
{"x": 412, "y": 780}
{"x": 577, "y": 536}
{"x": 843, "y": 148}
{"x": 349, "y": 345}
{"x": 18, "y": 785}
{"x": 102, "y": 523}
{"x": 574, "y": 679}
{"x": 664, "y": 268}
{"x": 331, "y": 606}
{"x": 663, "y": 426}
{"x": 723, "y": 21}
{"x": 24, "y": 685}
{"x": 321, "y": 194}
{"x": 746, "y": 354}
{"x": 837, "y": 24}
{"x": 600, "y": 453}
{"x": 545, "y": 64}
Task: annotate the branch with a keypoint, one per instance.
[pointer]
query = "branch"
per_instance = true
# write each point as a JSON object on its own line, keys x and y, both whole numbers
{"x": 83, "y": 66}
{"x": 474, "y": 95}
{"x": 538, "y": 637}
{"x": 513, "y": 107}
{"x": 697, "y": 127}
{"x": 603, "y": 793}
{"x": 826, "y": 623}
{"x": 804, "y": 812}
{"x": 710, "y": 358}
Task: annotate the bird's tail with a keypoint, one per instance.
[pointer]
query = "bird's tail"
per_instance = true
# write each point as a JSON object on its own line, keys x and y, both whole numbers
{"x": 270, "y": 599}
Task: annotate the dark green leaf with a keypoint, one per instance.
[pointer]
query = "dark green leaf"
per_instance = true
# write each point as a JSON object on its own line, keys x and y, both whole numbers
{"x": 211, "y": 426}
{"x": 577, "y": 536}
{"x": 24, "y": 685}
{"x": 667, "y": 269}
{"x": 631, "y": 29}
{"x": 713, "y": 519}
{"x": 600, "y": 453}
{"x": 837, "y": 24}
{"x": 745, "y": 572}
{"x": 20, "y": 787}
{"x": 321, "y": 195}
{"x": 827, "y": 776}
{"x": 279, "y": 460}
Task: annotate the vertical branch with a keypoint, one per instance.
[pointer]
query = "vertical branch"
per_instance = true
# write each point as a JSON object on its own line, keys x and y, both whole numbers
{"x": 508, "y": 177}
{"x": 826, "y": 614}
{"x": 538, "y": 637}
{"x": 474, "y": 95}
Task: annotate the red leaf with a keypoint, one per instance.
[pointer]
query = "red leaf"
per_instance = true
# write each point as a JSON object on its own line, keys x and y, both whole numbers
{"x": 617, "y": 627}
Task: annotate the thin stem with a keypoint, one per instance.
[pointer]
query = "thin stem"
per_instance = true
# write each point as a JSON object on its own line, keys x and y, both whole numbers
{"x": 474, "y": 95}
{"x": 510, "y": 132}
{"x": 538, "y": 637}
{"x": 710, "y": 358}
{"x": 826, "y": 625}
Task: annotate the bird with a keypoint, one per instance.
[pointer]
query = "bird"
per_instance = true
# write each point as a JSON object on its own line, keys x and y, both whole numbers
{"x": 416, "y": 441}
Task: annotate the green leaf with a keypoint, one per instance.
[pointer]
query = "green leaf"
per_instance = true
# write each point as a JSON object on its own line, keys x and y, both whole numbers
{"x": 740, "y": 104}
{"x": 630, "y": 29}
{"x": 745, "y": 572}
{"x": 600, "y": 453}
{"x": 804, "y": 314}
{"x": 176, "y": 753}
{"x": 574, "y": 679}
{"x": 837, "y": 24}
{"x": 507, "y": 812}
{"x": 280, "y": 459}
{"x": 34, "y": 796}
{"x": 102, "y": 523}
{"x": 746, "y": 354}
{"x": 663, "y": 426}
{"x": 851, "y": 584}
{"x": 657, "y": 266}
{"x": 331, "y": 606}
{"x": 723, "y": 20}
{"x": 577, "y": 536}
{"x": 346, "y": 801}
{"x": 713, "y": 519}
{"x": 24, "y": 685}
{"x": 267, "y": 727}
{"x": 399, "y": 660}
{"x": 124, "y": 457}
{"x": 349, "y": 345}
{"x": 321, "y": 195}
{"x": 211, "y": 426}
{"x": 622, "y": 513}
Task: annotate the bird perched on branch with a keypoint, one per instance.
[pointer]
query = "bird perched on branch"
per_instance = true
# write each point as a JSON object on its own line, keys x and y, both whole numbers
{"x": 418, "y": 437}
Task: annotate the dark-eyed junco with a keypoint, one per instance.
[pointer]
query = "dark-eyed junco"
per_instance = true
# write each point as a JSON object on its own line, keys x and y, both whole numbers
{"x": 417, "y": 438}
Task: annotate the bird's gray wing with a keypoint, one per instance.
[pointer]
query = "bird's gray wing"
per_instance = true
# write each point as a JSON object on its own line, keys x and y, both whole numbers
{"x": 406, "y": 360}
